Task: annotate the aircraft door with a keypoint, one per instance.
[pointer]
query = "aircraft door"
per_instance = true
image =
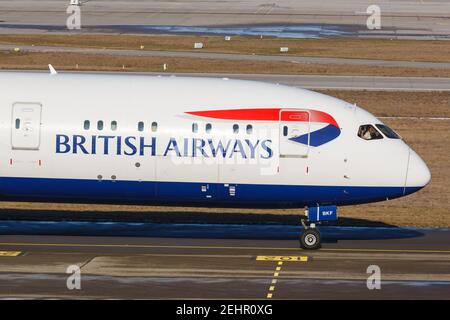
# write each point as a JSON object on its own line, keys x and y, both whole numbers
{"x": 26, "y": 126}
{"x": 294, "y": 133}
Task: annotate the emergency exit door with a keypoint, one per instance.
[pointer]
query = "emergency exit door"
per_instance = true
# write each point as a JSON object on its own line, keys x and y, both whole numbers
{"x": 26, "y": 126}
{"x": 294, "y": 133}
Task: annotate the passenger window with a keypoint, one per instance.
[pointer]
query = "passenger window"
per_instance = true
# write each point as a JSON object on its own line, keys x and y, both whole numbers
{"x": 285, "y": 131}
{"x": 194, "y": 128}
{"x": 113, "y": 125}
{"x": 249, "y": 129}
{"x": 368, "y": 132}
{"x": 140, "y": 126}
{"x": 154, "y": 126}
{"x": 235, "y": 128}
{"x": 208, "y": 128}
{"x": 388, "y": 132}
{"x": 87, "y": 124}
{"x": 17, "y": 123}
{"x": 100, "y": 125}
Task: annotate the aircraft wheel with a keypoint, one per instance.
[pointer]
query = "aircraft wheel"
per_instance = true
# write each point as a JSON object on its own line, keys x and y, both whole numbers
{"x": 310, "y": 239}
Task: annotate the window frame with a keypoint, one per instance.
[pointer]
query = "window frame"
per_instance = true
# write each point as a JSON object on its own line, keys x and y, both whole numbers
{"x": 396, "y": 137}
{"x": 154, "y": 126}
{"x": 114, "y": 125}
{"x": 379, "y": 137}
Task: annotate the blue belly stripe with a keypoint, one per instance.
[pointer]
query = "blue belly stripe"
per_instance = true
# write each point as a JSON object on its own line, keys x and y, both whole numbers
{"x": 173, "y": 193}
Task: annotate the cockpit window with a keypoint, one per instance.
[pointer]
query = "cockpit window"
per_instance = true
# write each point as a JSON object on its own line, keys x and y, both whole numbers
{"x": 368, "y": 132}
{"x": 388, "y": 132}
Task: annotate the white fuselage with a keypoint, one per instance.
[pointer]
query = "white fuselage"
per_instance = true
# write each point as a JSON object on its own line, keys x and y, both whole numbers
{"x": 192, "y": 140}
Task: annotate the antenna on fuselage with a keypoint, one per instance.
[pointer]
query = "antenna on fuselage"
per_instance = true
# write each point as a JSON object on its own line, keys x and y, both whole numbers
{"x": 52, "y": 70}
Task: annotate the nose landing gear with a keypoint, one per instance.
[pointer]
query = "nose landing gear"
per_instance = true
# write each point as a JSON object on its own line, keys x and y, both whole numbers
{"x": 310, "y": 238}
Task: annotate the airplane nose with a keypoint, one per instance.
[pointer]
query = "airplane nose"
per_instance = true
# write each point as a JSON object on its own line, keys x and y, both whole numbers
{"x": 418, "y": 175}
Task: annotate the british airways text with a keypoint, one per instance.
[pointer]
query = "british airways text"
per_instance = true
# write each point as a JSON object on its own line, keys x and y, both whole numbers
{"x": 147, "y": 146}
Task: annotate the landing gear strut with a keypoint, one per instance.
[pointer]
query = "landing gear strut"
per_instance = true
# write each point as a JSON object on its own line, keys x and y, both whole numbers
{"x": 310, "y": 238}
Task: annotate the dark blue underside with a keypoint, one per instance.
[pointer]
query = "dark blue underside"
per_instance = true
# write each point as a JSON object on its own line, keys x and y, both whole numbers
{"x": 173, "y": 193}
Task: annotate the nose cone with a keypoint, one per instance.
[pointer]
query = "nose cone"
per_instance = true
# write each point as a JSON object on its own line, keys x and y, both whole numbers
{"x": 418, "y": 174}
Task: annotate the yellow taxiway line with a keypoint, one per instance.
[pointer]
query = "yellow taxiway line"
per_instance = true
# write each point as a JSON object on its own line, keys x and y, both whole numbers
{"x": 143, "y": 246}
{"x": 10, "y": 253}
{"x": 274, "y": 280}
{"x": 282, "y": 258}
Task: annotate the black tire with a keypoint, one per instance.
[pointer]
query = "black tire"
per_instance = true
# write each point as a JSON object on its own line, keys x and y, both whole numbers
{"x": 310, "y": 239}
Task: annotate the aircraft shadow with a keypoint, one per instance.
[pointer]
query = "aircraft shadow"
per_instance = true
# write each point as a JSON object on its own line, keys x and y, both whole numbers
{"x": 185, "y": 224}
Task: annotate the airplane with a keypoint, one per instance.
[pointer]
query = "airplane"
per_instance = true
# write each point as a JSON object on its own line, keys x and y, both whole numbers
{"x": 197, "y": 141}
